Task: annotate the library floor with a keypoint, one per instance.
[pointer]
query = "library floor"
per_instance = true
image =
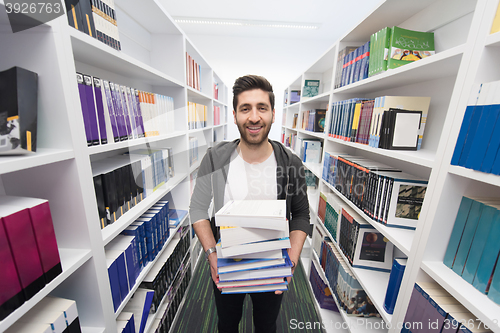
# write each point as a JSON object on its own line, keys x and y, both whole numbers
{"x": 198, "y": 314}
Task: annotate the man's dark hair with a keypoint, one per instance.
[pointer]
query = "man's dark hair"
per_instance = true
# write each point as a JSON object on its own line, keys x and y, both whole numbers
{"x": 250, "y": 82}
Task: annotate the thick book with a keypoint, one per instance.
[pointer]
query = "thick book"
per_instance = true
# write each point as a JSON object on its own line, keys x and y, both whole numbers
{"x": 39, "y": 314}
{"x": 271, "y": 254}
{"x": 11, "y": 292}
{"x": 256, "y": 289}
{"x": 99, "y": 104}
{"x": 248, "y": 283}
{"x": 22, "y": 241}
{"x": 311, "y": 88}
{"x": 268, "y": 245}
{"x": 466, "y": 123}
{"x": 407, "y": 46}
{"x": 18, "y": 111}
{"x": 228, "y": 265}
{"x": 457, "y": 231}
{"x": 140, "y": 305}
{"x": 74, "y": 14}
{"x": 67, "y": 307}
{"x": 401, "y": 129}
{"x": 43, "y": 228}
{"x": 266, "y": 214}
{"x": 91, "y": 110}
{"x": 114, "y": 282}
{"x": 275, "y": 272}
{"x": 395, "y": 278}
{"x": 488, "y": 258}
{"x": 125, "y": 244}
{"x": 231, "y": 236}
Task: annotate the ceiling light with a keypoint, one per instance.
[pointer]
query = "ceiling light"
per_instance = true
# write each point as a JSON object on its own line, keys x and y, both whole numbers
{"x": 247, "y": 23}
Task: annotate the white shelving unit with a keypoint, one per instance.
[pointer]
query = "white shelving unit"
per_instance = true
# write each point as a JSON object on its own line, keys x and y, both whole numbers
{"x": 465, "y": 54}
{"x": 153, "y": 58}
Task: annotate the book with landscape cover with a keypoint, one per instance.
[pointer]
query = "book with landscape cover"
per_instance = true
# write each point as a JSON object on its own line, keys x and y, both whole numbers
{"x": 407, "y": 46}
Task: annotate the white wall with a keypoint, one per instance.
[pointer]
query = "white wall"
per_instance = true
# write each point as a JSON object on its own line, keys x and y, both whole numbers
{"x": 280, "y": 61}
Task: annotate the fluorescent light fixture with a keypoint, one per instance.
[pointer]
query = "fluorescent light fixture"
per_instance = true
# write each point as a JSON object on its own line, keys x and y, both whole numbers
{"x": 247, "y": 23}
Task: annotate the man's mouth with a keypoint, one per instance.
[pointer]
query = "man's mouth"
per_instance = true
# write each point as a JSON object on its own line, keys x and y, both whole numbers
{"x": 254, "y": 129}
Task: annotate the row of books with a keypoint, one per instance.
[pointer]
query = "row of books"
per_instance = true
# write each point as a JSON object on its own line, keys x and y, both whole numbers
{"x": 314, "y": 120}
{"x": 473, "y": 248}
{"x": 197, "y": 116}
{"x": 122, "y": 181}
{"x": 311, "y": 180}
{"x": 251, "y": 253}
{"x": 125, "y": 322}
{"x": 294, "y": 97}
{"x": 217, "y": 115}
{"x": 30, "y": 256}
{"x": 151, "y": 230}
{"x": 193, "y": 150}
{"x": 167, "y": 267}
{"x": 289, "y": 140}
{"x": 388, "y": 122}
{"x": 321, "y": 290}
{"x": 432, "y": 308}
{"x": 96, "y": 18}
{"x": 383, "y": 193}
{"x": 355, "y": 65}
{"x": 361, "y": 244}
{"x": 113, "y": 113}
{"x": 137, "y": 310}
{"x": 388, "y": 48}
{"x": 127, "y": 254}
{"x": 478, "y": 141}
{"x": 50, "y": 315}
{"x": 179, "y": 287}
{"x": 351, "y": 297}
{"x": 193, "y": 73}
{"x": 19, "y": 109}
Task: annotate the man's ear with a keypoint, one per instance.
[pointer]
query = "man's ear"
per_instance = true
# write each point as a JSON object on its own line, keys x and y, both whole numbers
{"x": 274, "y": 113}
{"x": 234, "y": 116}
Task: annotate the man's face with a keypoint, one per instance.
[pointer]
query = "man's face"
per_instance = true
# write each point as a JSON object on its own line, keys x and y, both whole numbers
{"x": 254, "y": 116}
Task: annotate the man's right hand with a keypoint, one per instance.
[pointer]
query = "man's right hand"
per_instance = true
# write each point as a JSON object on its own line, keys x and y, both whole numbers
{"x": 212, "y": 259}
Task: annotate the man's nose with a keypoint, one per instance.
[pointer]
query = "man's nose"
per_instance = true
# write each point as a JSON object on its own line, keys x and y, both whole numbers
{"x": 254, "y": 115}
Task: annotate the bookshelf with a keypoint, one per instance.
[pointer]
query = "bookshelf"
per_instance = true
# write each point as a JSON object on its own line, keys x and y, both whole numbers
{"x": 465, "y": 54}
{"x": 153, "y": 58}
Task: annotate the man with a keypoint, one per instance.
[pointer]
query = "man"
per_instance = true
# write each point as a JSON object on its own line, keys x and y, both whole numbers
{"x": 252, "y": 167}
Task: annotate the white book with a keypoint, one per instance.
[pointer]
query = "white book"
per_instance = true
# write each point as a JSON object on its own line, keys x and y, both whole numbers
{"x": 231, "y": 236}
{"x": 247, "y": 283}
{"x": 255, "y": 289}
{"x": 234, "y": 251}
{"x": 265, "y": 214}
{"x": 256, "y": 274}
{"x": 272, "y": 254}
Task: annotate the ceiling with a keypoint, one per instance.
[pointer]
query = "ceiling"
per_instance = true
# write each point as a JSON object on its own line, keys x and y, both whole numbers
{"x": 335, "y": 16}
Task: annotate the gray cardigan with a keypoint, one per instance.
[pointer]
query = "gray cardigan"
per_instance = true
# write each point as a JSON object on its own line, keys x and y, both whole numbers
{"x": 211, "y": 180}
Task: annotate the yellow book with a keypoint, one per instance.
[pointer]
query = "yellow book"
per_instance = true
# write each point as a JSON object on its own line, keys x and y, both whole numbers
{"x": 355, "y": 121}
{"x": 495, "y": 27}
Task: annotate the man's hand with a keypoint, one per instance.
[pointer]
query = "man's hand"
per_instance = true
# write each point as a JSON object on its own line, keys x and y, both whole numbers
{"x": 288, "y": 279}
{"x": 212, "y": 260}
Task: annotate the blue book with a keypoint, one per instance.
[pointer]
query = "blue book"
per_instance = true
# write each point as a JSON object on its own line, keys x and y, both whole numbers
{"x": 467, "y": 236}
{"x": 488, "y": 215}
{"x": 488, "y": 258}
{"x": 462, "y": 135}
{"x": 131, "y": 266}
{"x": 160, "y": 226}
{"x": 479, "y": 112}
{"x": 176, "y": 216}
{"x": 494, "y": 291}
{"x": 493, "y": 145}
{"x": 228, "y": 265}
{"x": 122, "y": 275}
{"x": 458, "y": 229}
{"x": 141, "y": 242}
{"x": 114, "y": 283}
{"x": 483, "y": 137}
{"x": 133, "y": 230}
{"x": 395, "y": 278}
{"x": 145, "y": 312}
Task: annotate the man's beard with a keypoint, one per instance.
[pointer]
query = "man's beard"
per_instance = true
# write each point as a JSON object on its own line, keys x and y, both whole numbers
{"x": 254, "y": 140}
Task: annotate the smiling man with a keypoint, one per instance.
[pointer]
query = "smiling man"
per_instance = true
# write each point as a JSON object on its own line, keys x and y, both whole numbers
{"x": 252, "y": 167}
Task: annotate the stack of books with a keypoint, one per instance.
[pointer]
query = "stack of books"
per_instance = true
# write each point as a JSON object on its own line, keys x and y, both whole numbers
{"x": 473, "y": 248}
{"x": 251, "y": 253}
{"x": 355, "y": 65}
{"x": 314, "y": 120}
{"x": 197, "y": 115}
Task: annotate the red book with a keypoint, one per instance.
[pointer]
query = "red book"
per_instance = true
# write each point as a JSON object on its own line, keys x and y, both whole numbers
{"x": 41, "y": 221}
{"x": 22, "y": 243}
{"x": 11, "y": 293}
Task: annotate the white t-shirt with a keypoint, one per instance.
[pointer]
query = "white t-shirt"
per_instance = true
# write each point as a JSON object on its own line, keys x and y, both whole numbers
{"x": 251, "y": 181}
